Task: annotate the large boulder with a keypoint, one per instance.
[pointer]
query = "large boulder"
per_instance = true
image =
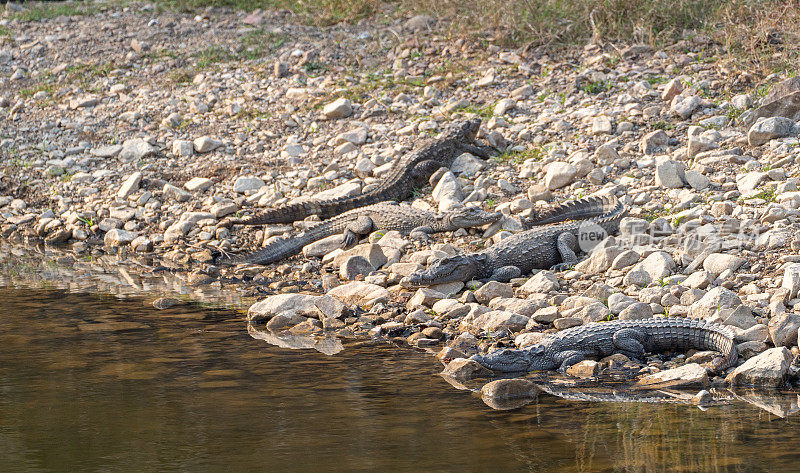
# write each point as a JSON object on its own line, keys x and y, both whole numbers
{"x": 360, "y": 293}
{"x": 766, "y": 369}
{"x": 303, "y": 305}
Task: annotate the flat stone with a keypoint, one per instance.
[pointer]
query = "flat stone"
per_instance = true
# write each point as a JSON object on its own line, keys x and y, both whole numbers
{"x": 541, "y": 282}
{"x": 686, "y": 107}
{"x": 176, "y": 193}
{"x": 716, "y": 263}
{"x": 304, "y": 305}
{"x": 424, "y": 297}
{"x": 671, "y": 90}
{"x": 714, "y": 300}
{"x": 782, "y": 101}
{"x": 222, "y": 209}
{"x": 749, "y": 182}
{"x": 371, "y": 252}
{"x": 690, "y": 375}
{"x": 135, "y": 149}
{"x": 247, "y": 183}
{"x": 499, "y": 319}
{"x": 658, "y": 265}
{"x": 791, "y": 279}
{"x": 323, "y": 247}
{"x": 636, "y": 311}
{"x": 360, "y": 293}
{"x": 182, "y": 148}
{"x": 509, "y": 389}
{"x": 130, "y": 185}
{"x": 206, "y": 144}
{"x": 198, "y": 184}
{"x": 599, "y": 260}
{"x": 108, "y": 151}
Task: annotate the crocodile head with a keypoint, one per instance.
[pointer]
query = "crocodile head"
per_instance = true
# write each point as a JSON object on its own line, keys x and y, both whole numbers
{"x": 472, "y": 217}
{"x": 534, "y": 358}
{"x": 469, "y": 129}
{"x": 451, "y": 269}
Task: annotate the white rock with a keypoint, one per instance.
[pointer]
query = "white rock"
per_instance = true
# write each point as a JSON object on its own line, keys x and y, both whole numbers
{"x": 205, "y": 144}
{"x": 767, "y": 369}
{"x": 670, "y": 173}
{"x": 247, "y": 183}
{"x": 658, "y": 265}
{"x": 130, "y": 185}
{"x": 135, "y": 149}
{"x": 717, "y": 263}
{"x": 305, "y": 305}
{"x": 783, "y": 329}
{"x": 541, "y": 282}
{"x": 769, "y": 129}
{"x": 467, "y": 165}
{"x": 198, "y": 184}
{"x": 117, "y": 237}
{"x": 690, "y": 375}
{"x": 559, "y": 174}
{"x": 339, "y": 108}
{"x": 360, "y": 293}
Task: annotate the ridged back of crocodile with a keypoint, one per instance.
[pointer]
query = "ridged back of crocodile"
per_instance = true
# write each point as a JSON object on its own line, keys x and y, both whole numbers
{"x": 665, "y": 333}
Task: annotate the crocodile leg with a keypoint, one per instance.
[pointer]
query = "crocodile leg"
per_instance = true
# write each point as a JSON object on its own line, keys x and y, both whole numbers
{"x": 505, "y": 274}
{"x": 566, "y": 243}
{"x": 361, "y": 226}
{"x": 422, "y": 234}
{"x": 630, "y": 343}
{"x": 476, "y": 150}
{"x": 565, "y": 359}
{"x": 424, "y": 169}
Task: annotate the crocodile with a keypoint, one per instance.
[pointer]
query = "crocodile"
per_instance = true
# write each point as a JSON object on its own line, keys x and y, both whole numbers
{"x": 418, "y": 224}
{"x": 537, "y": 248}
{"x": 411, "y": 171}
{"x": 632, "y": 338}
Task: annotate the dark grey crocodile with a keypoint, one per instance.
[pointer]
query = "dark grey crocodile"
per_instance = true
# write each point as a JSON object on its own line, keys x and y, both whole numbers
{"x": 382, "y": 216}
{"x": 411, "y": 171}
{"x": 538, "y": 248}
{"x": 632, "y": 338}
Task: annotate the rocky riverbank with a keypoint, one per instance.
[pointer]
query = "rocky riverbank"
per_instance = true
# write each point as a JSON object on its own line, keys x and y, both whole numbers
{"x": 136, "y": 131}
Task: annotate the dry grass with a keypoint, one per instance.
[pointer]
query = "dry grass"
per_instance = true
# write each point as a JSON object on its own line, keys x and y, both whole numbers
{"x": 760, "y": 34}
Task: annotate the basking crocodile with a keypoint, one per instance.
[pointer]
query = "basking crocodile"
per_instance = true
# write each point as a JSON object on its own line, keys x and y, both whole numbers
{"x": 632, "y": 338}
{"x": 382, "y": 216}
{"x": 542, "y": 248}
{"x": 410, "y": 171}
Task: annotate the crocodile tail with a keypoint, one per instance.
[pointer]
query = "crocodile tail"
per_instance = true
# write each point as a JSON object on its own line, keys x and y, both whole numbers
{"x": 325, "y": 209}
{"x": 723, "y": 341}
{"x": 285, "y": 214}
{"x": 275, "y": 251}
{"x": 581, "y": 209}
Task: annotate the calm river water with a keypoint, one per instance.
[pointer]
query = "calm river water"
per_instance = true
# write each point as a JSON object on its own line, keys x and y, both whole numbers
{"x": 93, "y": 382}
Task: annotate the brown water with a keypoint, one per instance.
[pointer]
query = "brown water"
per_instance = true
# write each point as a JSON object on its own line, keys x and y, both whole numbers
{"x": 97, "y": 383}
